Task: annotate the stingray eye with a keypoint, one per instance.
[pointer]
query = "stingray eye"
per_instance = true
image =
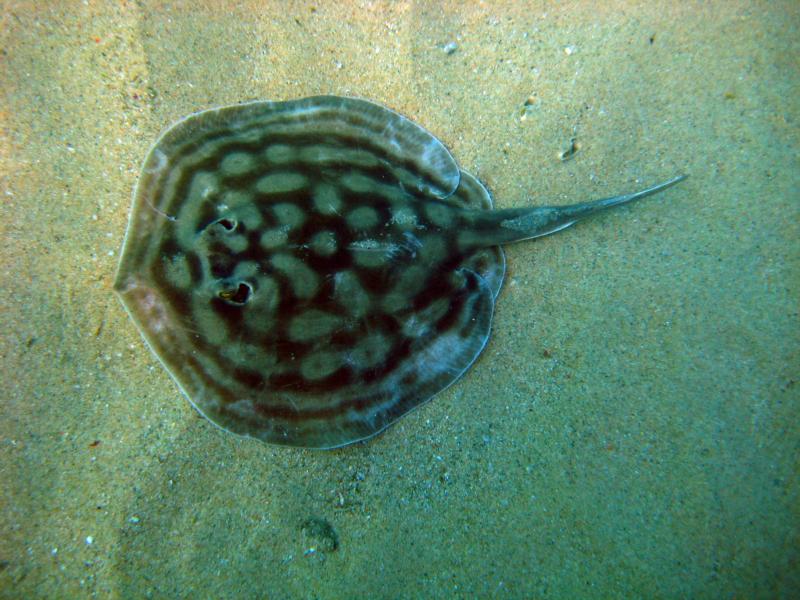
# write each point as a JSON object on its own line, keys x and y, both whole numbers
{"x": 237, "y": 295}
{"x": 221, "y": 227}
{"x": 227, "y": 224}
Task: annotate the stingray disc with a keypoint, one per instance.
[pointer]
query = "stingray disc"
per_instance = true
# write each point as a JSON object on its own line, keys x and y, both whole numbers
{"x": 308, "y": 271}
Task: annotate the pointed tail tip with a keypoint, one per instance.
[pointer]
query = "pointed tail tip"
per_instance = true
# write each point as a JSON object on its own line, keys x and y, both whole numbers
{"x": 653, "y": 189}
{"x": 675, "y": 180}
{"x": 662, "y": 186}
{"x": 626, "y": 198}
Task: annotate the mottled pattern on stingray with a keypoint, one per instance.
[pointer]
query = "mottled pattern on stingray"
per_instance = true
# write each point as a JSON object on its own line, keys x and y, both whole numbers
{"x": 302, "y": 269}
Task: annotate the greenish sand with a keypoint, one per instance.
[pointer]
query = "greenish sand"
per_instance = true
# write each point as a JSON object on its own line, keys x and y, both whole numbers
{"x": 631, "y": 430}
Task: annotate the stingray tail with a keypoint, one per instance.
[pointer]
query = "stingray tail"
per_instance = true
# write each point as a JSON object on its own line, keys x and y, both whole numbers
{"x": 516, "y": 224}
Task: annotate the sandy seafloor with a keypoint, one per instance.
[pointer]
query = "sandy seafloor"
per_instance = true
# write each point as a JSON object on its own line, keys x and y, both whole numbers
{"x": 632, "y": 428}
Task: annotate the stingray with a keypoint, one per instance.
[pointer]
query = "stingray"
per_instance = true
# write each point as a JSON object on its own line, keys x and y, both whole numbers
{"x": 309, "y": 271}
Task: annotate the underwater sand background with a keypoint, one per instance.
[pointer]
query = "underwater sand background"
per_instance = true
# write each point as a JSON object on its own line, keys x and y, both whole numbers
{"x": 631, "y": 430}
